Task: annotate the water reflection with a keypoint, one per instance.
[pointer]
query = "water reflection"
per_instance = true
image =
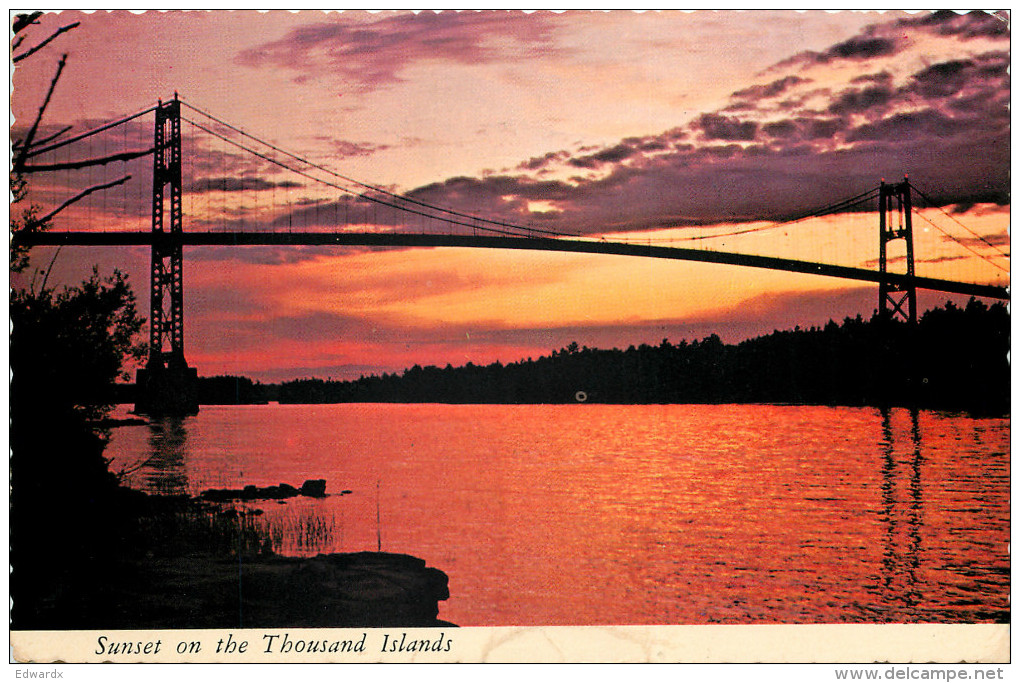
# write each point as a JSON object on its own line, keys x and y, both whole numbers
{"x": 294, "y": 526}
{"x": 902, "y": 512}
{"x": 627, "y": 514}
{"x": 164, "y": 471}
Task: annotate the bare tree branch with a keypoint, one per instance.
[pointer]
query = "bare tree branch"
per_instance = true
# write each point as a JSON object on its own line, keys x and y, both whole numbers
{"x": 81, "y": 195}
{"x": 85, "y": 163}
{"x": 16, "y": 145}
{"x": 23, "y": 21}
{"x": 62, "y": 29}
{"x": 49, "y": 270}
{"x": 17, "y": 43}
{"x": 19, "y": 160}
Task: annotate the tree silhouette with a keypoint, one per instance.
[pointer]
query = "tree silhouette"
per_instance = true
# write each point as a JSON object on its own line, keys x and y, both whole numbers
{"x": 67, "y": 346}
{"x": 953, "y": 358}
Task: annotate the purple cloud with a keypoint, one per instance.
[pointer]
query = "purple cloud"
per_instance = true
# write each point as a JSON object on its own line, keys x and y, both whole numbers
{"x": 804, "y": 128}
{"x": 966, "y": 26}
{"x": 372, "y": 55}
{"x": 858, "y": 48}
{"x": 997, "y": 239}
{"x": 716, "y": 127}
{"x": 942, "y": 79}
{"x": 539, "y": 162}
{"x": 236, "y": 184}
{"x": 346, "y": 149}
{"x": 927, "y": 123}
{"x": 773, "y": 89}
{"x": 606, "y": 156}
{"x": 854, "y": 100}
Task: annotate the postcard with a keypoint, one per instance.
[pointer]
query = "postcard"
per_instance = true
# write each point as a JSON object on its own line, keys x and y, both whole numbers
{"x": 497, "y": 336}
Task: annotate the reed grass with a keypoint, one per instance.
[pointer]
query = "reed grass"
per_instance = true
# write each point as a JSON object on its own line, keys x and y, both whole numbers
{"x": 228, "y": 530}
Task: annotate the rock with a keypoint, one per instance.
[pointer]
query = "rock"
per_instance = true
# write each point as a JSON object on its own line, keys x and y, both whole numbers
{"x": 108, "y": 422}
{"x": 220, "y": 495}
{"x": 252, "y": 492}
{"x": 200, "y": 590}
{"x": 316, "y": 488}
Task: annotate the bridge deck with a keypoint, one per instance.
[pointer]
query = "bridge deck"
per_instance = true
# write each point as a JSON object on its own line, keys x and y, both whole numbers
{"x": 239, "y": 239}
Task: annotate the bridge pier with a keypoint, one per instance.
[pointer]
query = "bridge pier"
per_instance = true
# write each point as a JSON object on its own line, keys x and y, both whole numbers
{"x": 166, "y": 391}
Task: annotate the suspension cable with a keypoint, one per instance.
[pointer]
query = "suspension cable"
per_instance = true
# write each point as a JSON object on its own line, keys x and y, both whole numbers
{"x": 369, "y": 198}
{"x": 816, "y": 213}
{"x": 82, "y": 136}
{"x": 374, "y": 188}
{"x": 962, "y": 244}
{"x": 950, "y": 217}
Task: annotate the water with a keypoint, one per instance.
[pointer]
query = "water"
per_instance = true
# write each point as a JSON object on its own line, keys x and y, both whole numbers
{"x": 593, "y": 514}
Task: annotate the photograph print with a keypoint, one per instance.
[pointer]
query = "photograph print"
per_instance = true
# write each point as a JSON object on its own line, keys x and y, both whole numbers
{"x": 428, "y": 320}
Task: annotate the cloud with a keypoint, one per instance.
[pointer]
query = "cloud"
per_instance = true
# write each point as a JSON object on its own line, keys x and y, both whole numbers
{"x": 942, "y": 79}
{"x": 874, "y": 263}
{"x": 941, "y": 259}
{"x": 236, "y": 184}
{"x": 858, "y": 48}
{"x": 716, "y": 127}
{"x": 882, "y": 78}
{"x": 955, "y": 109}
{"x": 346, "y": 149}
{"x": 966, "y": 26}
{"x": 262, "y": 256}
{"x": 996, "y": 239}
{"x": 371, "y": 55}
{"x": 890, "y": 38}
{"x": 853, "y": 100}
{"x": 612, "y": 154}
{"x": 926, "y": 123}
{"x": 804, "y": 129}
{"x": 539, "y": 162}
{"x": 768, "y": 90}
{"x": 781, "y": 129}
{"x": 694, "y": 184}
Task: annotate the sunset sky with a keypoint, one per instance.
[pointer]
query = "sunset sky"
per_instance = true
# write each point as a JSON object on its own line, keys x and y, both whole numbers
{"x": 658, "y": 127}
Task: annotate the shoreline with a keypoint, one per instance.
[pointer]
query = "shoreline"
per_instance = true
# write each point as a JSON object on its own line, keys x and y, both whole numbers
{"x": 185, "y": 564}
{"x": 338, "y": 590}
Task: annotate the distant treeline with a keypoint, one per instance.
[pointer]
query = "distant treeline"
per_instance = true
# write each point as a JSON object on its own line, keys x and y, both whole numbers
{"x": 954, "y": 358}
{"x": 231, "y": 390}
{"x": 219, "y": 390}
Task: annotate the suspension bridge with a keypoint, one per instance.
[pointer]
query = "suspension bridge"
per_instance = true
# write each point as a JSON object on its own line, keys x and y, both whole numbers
{"x": 242, "y": 190}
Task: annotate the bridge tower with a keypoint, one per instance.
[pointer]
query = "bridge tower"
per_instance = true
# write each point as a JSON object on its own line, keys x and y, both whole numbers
{"x": 894, "y": 223}
{"x": 166, "y": 385}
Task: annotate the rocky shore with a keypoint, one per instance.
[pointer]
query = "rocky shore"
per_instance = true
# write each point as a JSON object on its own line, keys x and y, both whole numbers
{"x": 327, "y": 591}
{"x": 186, "y": 563}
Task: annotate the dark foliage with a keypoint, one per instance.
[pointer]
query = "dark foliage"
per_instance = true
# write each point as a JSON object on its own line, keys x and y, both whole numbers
{"x": 954, "y": 358}
{"x": 67, "y": 510}
{"x": 66, "y": 346}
